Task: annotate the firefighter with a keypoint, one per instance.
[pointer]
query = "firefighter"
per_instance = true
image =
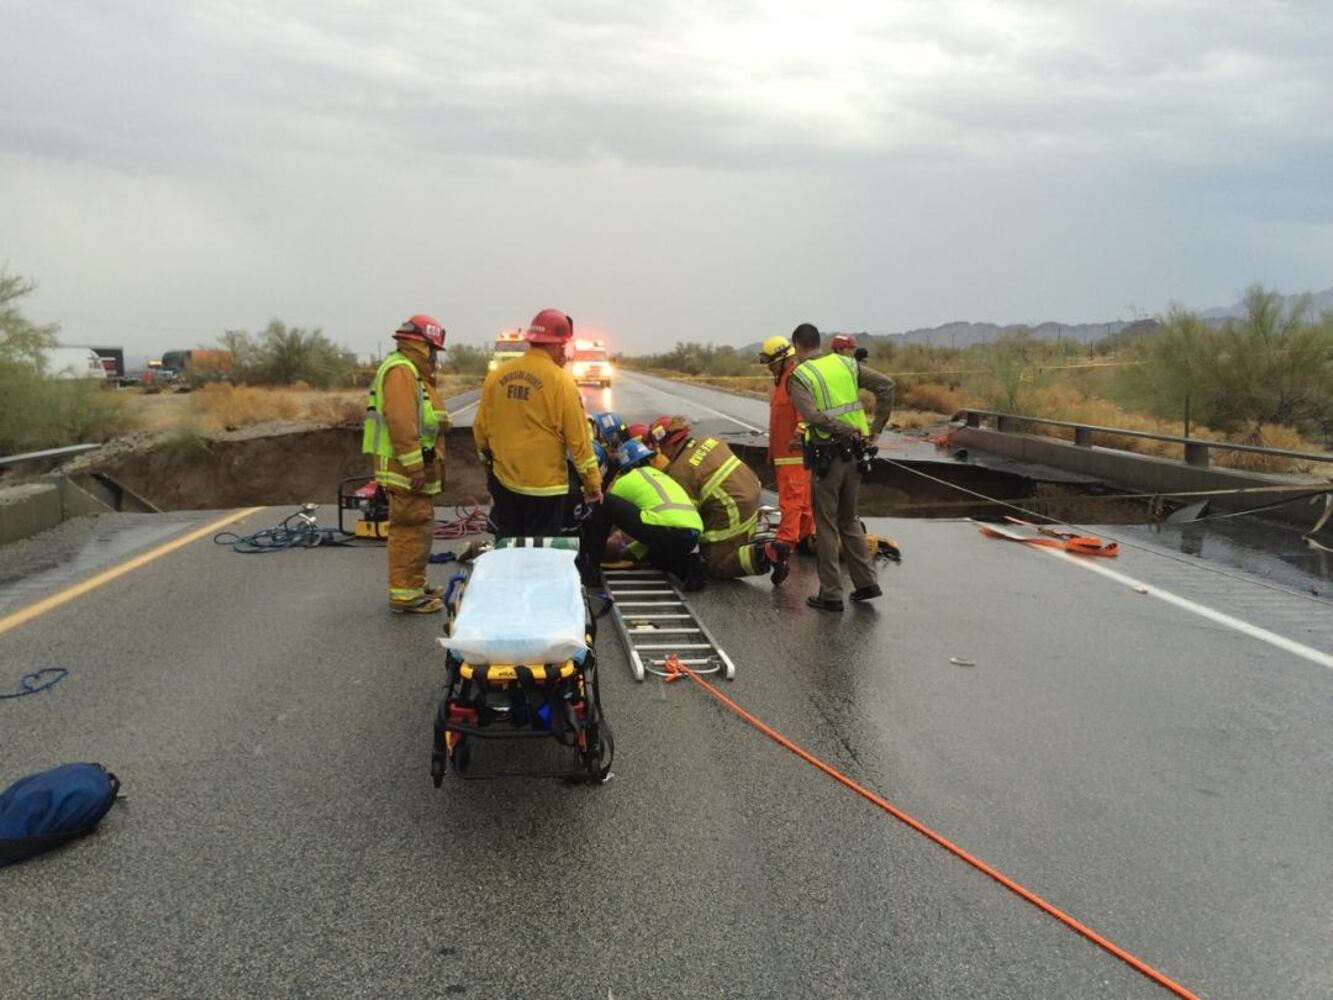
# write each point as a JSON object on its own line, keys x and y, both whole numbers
{"x": 530, "y": 425}
{"x": 844, "y": 344}
{"x": 654, "y": 511}
{"x": 825, "y": 389}
{"x": 727, "y": 493}
{"x": 797, "y": 525}
{"x": 404, "y": 432}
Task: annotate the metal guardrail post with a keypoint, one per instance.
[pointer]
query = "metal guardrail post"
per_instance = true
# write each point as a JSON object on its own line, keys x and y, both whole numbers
{"x": 1083, "y": 437}
{"x": 1004, "y": 423}
{"x": 1196, "y": 454}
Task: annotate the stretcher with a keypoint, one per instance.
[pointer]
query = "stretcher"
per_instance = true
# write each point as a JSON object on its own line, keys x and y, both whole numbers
{"x": 520, "y": 665}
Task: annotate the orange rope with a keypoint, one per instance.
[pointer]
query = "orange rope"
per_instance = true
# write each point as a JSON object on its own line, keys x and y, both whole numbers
{"x": 676, "y": 669}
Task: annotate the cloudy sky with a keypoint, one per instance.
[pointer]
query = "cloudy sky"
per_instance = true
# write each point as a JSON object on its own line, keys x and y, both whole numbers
{"x": 680, "y": 169}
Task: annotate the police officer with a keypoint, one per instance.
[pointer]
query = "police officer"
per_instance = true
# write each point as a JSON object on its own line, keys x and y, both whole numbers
{"x": 825, "y": 389}
{"x": 530, "y": 424}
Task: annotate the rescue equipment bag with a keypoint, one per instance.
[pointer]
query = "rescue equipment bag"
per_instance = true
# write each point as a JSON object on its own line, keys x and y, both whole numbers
{"x": 51, "y": 808}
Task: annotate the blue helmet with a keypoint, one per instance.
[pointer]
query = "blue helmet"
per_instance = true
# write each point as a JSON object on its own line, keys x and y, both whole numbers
{"x": 609, "y": 428}
{"x": 633, "y": 452}
{"x": 600, "y": 452}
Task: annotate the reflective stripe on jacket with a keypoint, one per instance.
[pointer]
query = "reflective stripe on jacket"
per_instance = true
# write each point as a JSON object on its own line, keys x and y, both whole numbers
{"x": 723, "y": 486}
{"x": 832, "y": 380}
{"x": 784, "y": 423}
{"x": 660, "y": 499}
{"x": 531, "y": 421}
{"x": 403, "y": 420}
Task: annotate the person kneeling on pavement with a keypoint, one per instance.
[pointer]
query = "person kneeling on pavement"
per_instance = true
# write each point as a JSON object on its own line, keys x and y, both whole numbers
{"x": 727, "y": 493}
{"x": 653, "y": 510}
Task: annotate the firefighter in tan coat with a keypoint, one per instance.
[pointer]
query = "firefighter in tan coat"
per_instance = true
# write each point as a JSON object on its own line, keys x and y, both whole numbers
{"x": 404, "y": 431}
{"x": 727, "y": 494}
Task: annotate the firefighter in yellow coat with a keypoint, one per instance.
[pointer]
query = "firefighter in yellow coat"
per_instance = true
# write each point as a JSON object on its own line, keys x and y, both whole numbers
{"x": 404, "y": 432}
{"x": 727, "y": 493}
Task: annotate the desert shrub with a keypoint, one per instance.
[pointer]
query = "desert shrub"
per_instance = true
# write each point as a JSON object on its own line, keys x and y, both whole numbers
{"x": 283, "y": 355}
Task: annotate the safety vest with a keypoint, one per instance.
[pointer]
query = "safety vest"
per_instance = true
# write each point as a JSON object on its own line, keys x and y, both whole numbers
{"x": 832, "y": 381}
{"x": 375, "y": 437}
{"x": 660, "y": 499}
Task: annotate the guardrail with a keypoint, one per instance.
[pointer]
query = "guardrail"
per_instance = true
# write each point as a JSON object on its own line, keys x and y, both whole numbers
{"x": 33, "y": 456}
{"x": 1196, "y": 451}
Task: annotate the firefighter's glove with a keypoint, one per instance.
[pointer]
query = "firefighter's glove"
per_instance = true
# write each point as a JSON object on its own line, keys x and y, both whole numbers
{"x": 417, "y": 482}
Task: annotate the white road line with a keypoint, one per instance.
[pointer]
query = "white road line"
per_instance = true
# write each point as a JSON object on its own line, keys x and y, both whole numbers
{"x": 464, "y": 409}
{"x": 1203, "y": 611}
{"x": 705, "y": 406}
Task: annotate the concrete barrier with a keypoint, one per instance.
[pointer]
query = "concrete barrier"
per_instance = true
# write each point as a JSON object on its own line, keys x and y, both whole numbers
{"x": 28, "y": 508}
{"x": 1145, "y": 473}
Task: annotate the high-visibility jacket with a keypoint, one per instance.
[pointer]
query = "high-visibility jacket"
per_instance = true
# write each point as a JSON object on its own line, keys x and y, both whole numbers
{"x": 832, "y": 380}
{"x": 660, "y": 499}
{"x": 784, "y": 423}
{"x": 723, "y": 486}
{"x": 404, "y": 418}
{"x": 530, "y": 421}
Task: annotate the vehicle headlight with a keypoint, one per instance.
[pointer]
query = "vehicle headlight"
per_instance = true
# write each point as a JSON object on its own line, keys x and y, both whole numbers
{"x": 580, "y": 368}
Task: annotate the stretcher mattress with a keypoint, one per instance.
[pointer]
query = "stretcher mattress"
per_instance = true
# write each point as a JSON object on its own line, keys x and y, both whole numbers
{"x": 520, "y": 606}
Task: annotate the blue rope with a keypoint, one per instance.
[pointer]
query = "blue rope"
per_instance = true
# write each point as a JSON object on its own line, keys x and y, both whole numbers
{"x": 292, "y": 533}
{"x": 31, "y": 682}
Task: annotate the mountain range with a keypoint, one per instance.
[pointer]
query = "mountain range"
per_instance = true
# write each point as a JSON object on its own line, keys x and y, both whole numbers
{"x": 963, "y": 333}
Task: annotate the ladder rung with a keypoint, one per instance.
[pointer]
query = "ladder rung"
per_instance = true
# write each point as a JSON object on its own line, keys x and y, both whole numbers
{"x": 643, "y": 593}
{"x": 690, "y": 662}
{"x": 657, "y": 616}
{"x": 675, "y": 645}
{"x": 631, "y": 572}
{"x": 649, "y": 604}
{"x": 664, "y": 631}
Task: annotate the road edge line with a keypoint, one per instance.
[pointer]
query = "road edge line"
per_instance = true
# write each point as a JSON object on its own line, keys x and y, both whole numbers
{"x": 1202, "y": 610}
{"x": 41, "y": 607}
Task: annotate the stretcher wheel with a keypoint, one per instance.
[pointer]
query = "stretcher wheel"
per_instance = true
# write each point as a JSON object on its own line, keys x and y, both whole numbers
{"x": 437, "y": 769}
{"x": 462, "y": 756}
{"x": 601, "y": 749}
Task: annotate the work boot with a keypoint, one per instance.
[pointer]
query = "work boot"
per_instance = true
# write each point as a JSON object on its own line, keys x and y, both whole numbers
{"x": 806, "y": 546}
{"x": 433, "y": 590}
{"x": 696, "y": 576}
{"x": 867, "y": 593}
{"x": 426, "y": 604}
{"x": 779, "y": 555}
{"x": 823, "y": 603}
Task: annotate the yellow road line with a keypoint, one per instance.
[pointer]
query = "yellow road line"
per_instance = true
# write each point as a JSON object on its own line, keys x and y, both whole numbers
{"x": 106, "y": 576}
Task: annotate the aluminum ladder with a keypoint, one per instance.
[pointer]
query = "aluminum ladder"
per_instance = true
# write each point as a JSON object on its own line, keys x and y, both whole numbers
{"x": 654, "y": 621}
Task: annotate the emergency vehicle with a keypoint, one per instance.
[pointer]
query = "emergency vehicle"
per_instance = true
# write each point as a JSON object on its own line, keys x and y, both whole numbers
{"x": 591, "y": 364}
{"x": 507, "y": 345}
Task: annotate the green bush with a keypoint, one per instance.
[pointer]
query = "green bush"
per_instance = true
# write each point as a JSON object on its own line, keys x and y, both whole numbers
{"x": 283, "y": 355}
{"x": 38, "y": 412}
{"x": 466, "y": 359}
{"x": 1273, "y": 365}
{"x": 699, "y": 359}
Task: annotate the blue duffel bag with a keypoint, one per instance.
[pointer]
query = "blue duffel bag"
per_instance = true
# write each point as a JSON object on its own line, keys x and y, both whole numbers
{"x": 45, "y": 810}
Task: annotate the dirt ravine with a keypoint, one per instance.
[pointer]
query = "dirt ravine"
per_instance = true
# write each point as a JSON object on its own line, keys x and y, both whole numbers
{"x": 267, "y": 464}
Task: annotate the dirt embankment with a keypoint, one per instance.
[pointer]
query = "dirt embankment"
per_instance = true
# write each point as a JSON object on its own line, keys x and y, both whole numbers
{"x": 264, "y": 464}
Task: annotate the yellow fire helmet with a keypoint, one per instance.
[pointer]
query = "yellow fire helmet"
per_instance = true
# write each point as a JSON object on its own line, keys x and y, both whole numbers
{"x": 775, "y": 349}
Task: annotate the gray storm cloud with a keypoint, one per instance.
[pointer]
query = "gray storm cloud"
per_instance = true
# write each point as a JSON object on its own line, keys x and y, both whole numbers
{"x": 668, "y": 171}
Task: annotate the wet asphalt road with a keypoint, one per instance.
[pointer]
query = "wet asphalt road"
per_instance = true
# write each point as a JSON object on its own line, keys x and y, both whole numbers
{"x": 1158, "y": 775}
